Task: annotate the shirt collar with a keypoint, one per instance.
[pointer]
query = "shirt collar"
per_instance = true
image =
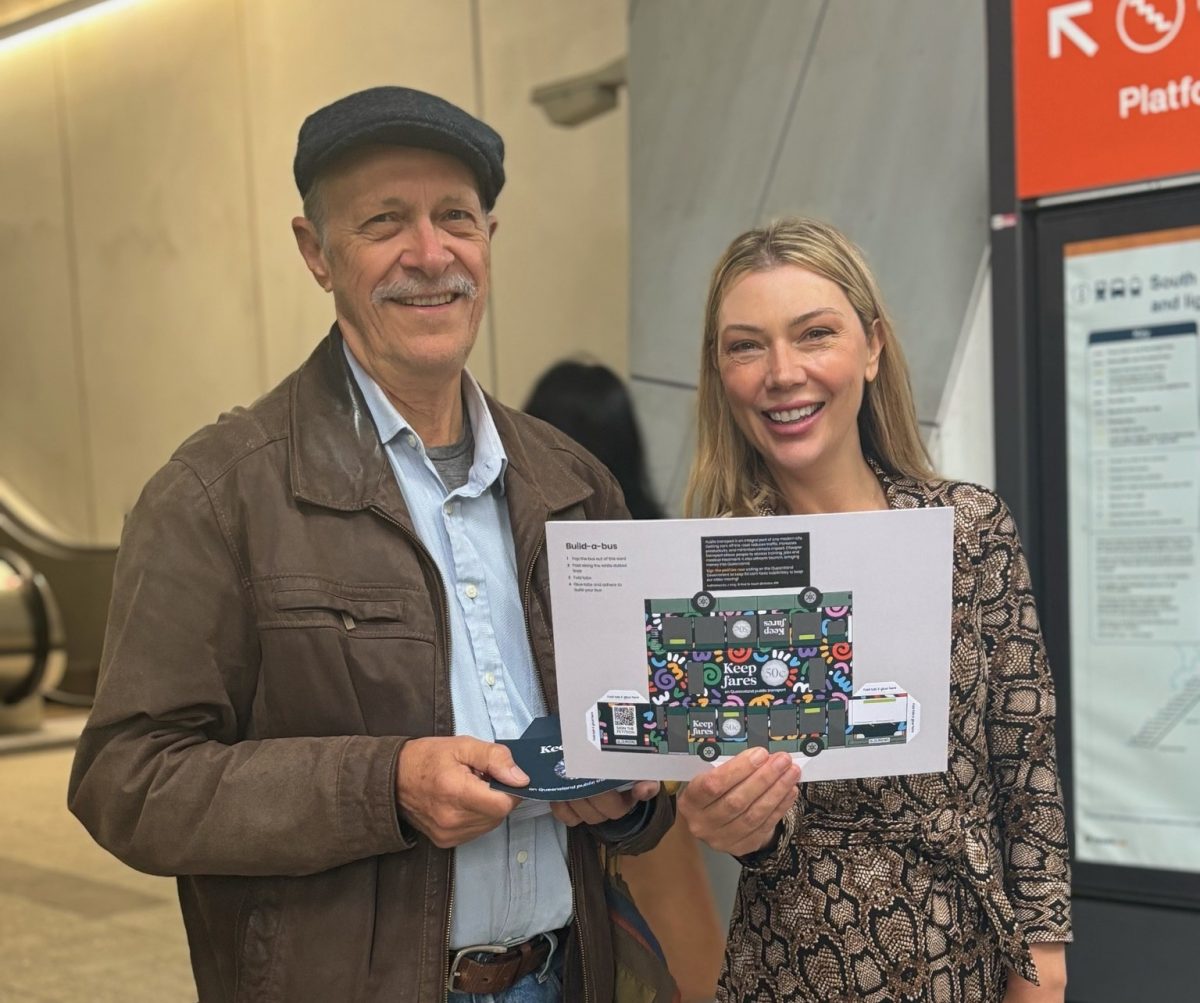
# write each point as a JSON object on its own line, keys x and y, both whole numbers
{"x": 490, "y": 461}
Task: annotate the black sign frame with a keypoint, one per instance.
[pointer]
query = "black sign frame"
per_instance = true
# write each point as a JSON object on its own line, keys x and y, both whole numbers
{"x": 1053, "y": 228}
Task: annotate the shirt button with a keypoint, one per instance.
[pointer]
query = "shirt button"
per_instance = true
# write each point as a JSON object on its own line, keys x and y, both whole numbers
{"x": 471, "y": 591}
{"x": 412, "y": 440}
{"x": 448, "y": 508}
{"x": 489, "y": 678}
{"x": 522, "y": 857}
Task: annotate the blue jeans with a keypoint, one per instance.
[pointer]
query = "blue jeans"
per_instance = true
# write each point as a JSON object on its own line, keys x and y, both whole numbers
{"x": 526, "y": 990}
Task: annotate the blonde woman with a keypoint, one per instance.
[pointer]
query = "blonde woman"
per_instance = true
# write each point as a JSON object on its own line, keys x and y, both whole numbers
{"x": 948, "y": 887}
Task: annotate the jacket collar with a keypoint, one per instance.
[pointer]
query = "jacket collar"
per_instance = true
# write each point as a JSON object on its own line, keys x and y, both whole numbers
{"x": 335, "y": 456}
{"x": 390, "y": 424}
{"x": 337, "y": 460}
{"x": 538, "y": 484}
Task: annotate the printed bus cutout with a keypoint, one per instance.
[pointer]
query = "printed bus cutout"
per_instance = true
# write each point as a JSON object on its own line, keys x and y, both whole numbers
{"x": 735, "y": 672}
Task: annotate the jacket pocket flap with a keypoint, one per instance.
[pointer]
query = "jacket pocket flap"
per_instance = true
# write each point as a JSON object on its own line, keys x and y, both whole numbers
{"x": 388, "y": 608}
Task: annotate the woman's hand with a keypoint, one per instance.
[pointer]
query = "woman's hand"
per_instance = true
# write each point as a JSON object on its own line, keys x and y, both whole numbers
{"x": 735, "y": 807}
{"x": 1051, "y": 961}
{"x": 606, "y": 807}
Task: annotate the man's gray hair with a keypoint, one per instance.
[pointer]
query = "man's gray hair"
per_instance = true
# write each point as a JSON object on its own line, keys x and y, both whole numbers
{"x": 314, "y": 210}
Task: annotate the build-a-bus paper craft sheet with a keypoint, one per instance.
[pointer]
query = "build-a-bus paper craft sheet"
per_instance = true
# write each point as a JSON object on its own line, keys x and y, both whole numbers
{"x": 680, "y": 643}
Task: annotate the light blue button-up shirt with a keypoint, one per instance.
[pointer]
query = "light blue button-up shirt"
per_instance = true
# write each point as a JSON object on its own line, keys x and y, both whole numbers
{"x": 512, "y": 882}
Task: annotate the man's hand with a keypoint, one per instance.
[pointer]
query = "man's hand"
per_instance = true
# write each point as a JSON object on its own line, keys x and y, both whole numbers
{"x": 604, "y": 807}
{"x": 442, "y": 787}
{"x": 735, "y": 807}
{"x": 1051, "y": 962}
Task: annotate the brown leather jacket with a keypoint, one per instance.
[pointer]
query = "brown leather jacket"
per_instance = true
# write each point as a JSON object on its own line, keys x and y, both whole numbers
{"x": 277, "y": 633}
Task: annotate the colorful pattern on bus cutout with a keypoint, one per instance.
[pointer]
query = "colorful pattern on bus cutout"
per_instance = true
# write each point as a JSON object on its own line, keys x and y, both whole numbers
{"x": 733, "y": 672}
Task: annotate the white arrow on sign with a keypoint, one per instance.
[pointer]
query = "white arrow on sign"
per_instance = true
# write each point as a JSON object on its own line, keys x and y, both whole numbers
{"x": 1059, "y": 22}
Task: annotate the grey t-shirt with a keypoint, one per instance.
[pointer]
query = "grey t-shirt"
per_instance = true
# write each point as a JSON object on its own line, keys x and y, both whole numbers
{"x": 453, "y": 462}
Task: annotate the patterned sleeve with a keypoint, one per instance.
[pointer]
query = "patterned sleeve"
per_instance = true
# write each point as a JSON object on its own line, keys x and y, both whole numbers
{"x": 772, "y": 856}
{"x": 1020, "y": 736}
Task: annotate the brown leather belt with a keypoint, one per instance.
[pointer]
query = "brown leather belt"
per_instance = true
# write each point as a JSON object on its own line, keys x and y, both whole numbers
{"x": 493, "y": 968}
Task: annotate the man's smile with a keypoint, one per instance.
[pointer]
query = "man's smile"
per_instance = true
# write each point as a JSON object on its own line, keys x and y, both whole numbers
{"x": 438, "y": 300}
{"x": 426, "y": 293}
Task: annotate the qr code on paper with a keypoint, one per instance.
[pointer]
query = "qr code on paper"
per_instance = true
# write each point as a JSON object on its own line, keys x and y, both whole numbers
{"x": 624, "y": 721}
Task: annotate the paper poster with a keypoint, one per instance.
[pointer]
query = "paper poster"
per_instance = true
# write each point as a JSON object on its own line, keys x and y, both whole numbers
{"x": 1133, "y": 418}
{"x": 680, "y": 643}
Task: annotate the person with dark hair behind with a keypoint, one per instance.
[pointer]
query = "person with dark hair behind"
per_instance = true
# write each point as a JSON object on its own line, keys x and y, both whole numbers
{"x": 589, "y": 403}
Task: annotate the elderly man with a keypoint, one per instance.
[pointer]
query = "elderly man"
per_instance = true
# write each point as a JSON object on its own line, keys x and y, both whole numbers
{"x": 330, "y": 604}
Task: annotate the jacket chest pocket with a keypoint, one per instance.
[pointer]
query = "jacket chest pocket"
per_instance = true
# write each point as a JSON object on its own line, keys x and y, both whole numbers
{"x": 364, "y": 611}
{"x": 343, "y": 659}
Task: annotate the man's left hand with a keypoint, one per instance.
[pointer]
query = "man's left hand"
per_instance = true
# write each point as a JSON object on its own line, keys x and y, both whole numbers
{"x": 604, "y": 807}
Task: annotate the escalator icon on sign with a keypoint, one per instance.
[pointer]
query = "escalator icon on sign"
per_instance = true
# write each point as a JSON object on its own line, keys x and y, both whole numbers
{"x": 1148, "y": 26}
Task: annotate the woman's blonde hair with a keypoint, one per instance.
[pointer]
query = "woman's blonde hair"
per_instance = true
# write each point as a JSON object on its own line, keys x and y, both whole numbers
{"x": 728, "y": 475}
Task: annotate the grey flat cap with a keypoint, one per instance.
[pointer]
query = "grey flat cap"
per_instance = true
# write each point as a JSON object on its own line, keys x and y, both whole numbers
{"x": 399, "y": 116}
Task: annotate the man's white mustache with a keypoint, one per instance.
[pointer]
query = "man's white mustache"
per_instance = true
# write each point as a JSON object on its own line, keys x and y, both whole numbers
{"x": 404, "y": 289}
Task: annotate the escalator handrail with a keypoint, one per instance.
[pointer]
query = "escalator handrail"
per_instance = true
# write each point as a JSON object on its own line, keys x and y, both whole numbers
{"x": 28, "y": 529}
{"x": 33, "y": 596}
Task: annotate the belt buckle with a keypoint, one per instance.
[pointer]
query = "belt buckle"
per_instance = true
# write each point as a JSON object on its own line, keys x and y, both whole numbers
{"x": 551, "y": 937}
{"x": 473, "y": 949}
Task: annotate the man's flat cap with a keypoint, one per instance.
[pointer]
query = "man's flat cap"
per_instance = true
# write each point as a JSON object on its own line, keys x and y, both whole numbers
{"x": 399, "y": 116}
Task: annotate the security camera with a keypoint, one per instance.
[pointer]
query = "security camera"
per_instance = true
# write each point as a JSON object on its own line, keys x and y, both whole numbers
{"x": 575, "y": 100}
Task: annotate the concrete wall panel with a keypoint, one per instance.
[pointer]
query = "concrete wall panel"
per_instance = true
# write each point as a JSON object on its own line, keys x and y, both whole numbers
{"x": 43, "y": 442}
{"x": 963, "y": 443}
{"x": 158, "y": 187}
{"x": 559, "y": 246}
{"x": 711, "y": 85}
{"x": 667, "y": 419}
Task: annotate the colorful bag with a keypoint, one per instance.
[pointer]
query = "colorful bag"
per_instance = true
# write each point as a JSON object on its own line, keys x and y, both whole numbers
{"x": 640, "y": 972}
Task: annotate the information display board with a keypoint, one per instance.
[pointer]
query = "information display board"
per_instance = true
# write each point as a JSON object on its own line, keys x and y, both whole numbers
{"x": 1095, "y": 411}
{"x": 1133, "y": 435}
{"x": 1121, "y": 490}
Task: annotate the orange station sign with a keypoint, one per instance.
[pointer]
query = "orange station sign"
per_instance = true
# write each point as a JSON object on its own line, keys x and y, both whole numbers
{"x": 1106, "y": 92}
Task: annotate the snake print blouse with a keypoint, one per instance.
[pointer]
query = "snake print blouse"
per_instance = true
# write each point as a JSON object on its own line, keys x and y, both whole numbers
{"x": 927, "y": 887}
